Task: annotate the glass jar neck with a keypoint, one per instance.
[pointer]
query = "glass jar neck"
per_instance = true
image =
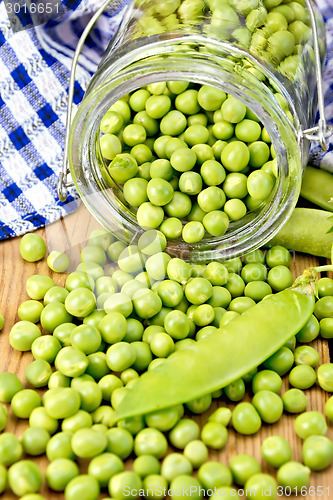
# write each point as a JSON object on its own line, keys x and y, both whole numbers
{"x": 200, "y": 60}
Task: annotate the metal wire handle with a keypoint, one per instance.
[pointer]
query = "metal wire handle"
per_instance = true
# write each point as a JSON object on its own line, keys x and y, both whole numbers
{"x": 63, "y": 183}
{"x": 321, "y": 131}
{"x": 318, "y": 133}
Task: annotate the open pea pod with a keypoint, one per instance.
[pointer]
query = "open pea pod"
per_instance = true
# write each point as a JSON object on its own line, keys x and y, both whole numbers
{"x": 225, "y": 355}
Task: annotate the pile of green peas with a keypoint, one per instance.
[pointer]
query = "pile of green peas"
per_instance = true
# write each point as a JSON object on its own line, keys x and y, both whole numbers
{"x": 115, "y": 327}
{"x": 190, "y": 158}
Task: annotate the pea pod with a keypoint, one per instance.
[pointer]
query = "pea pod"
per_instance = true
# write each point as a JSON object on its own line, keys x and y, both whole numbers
{"x": 317, "y": 187}
{"x": 308, "y": 231}
{"x": 225, "y": 355}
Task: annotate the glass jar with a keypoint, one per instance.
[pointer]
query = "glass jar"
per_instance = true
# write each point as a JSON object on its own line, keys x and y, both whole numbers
{"x": 262, "y": 52}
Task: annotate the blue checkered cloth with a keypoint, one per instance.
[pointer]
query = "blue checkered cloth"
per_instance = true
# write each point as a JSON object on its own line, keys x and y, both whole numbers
{"x": 34, "y": 75}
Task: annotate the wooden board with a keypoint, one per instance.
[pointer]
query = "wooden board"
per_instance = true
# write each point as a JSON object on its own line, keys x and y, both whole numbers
{"x": 71, "y": 234}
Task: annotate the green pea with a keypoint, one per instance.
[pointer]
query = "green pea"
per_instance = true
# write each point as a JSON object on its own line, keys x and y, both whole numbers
{"x": 24, "y": 401}
{"x": 211, "y": 198}
{"x": 198, "y": 290}
{"x": 187, "y": 102}
{"x": 55, "y": 294}
{"x": 220, "y": 297}
{"x": 63, "y": 333}
{"x": 262, "y": 484}
{"x": 24, "y": 477}
{"x": 235, "y": 391}
{"x": 214, "y": 435}
{"x": 9, "y": 386}
{"x": 294, "y": 401}
{"x": 326, "y": 328}
{"x": 235, "y": 285}
{"x": 294, "y": 475}
{"x": 162, "y": 345}
{"x": 80, "y": 302}
{"x": 196, "y": 134}
{"x": 150, "y": 441}
{"x": 135, "y": 191}
{"x": 71, "y": 362}
{"x": 233, "y": 110}
{"x": 171, "y": 228}
{"x": 104, "y": 467}
{"x": 119, "y": 442}
{"x": 203, "y": 152}
{"x": 196, "y": 452}
{"x": 183, "y": 482}
{"x": 267, "y": 380}
{"x": 245, "y": 419}
{"x": 110, "y": 146}
{"x": 23, "y": 334}
{"x": 324, "y": 307}
{"x": 222, "y": 415}
{"x": 254, "y": 272}
{"x": 302, "y": 377}
{"x": 59, "y": 446}
{"x": 212, "y": 173}
{"x": 216, "y": 222}
{"x": 257, "y": 290}
{"x": 54, "y": 314}
{"x": 317, "y": 452}
{"x": 87, "y": 443}
{"x": 175, "y": 465}
{"x": 241, "y": 304}
{"x": 260, "y": 184}
{"x": 329, "y": 409}
{"x": 34, "y": 441}
{"x": 243, "y": 467}
{"x": 235, "y": 209}
{"x": 213, "y": 474}
{"x": 310, "y": 331}
{"x": 248, "y": 130}
{"x": 309, "y": 424}
{"x": 163, "y": 420}
{"x": 124, "y": 482}
{"x": 60, "y": 472}
{"x": 211, "y": 98}
{"x": 276, "y": 451}
{"x": 30, "y": 310}
{"x": 281, "y": 361}
{"x": 58, "y": 261}
{"x": 111, "y": 122}
{"x": 61, "y": 402}
{"x": 306, "y": 355}
{"x": 40, "y": 418}
{"x": 149, "y": 215}
{"x": 32, "y": 247}
{"x": 269, "y": 406}
{"x": 83, "y": 486}
{"x": 278, "y": 256}
{"x": 325, "y": 376}
{"x": 173, "y": 123}
{"x": 38, "y": 373}
{"x": 185, "y": 431}
{"x": 235, "y": 185}
{"x": 79, "y": 280}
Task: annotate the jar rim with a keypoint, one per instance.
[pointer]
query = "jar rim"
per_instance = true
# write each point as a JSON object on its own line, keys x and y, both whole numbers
{"x": 163, "y": 60}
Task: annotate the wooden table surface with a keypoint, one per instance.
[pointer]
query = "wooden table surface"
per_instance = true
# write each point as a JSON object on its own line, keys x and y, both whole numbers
{"x": 70, "y": 235}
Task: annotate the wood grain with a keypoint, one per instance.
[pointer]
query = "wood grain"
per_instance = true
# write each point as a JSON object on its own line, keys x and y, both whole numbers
{"x": 70, "y": 235}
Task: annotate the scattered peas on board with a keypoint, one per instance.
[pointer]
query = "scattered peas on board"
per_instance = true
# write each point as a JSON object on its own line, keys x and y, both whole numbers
{"x": 154, "y": 305}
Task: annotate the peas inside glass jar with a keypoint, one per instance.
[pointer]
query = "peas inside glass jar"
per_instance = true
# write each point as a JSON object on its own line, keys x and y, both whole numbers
{"x": 187, "y": 152}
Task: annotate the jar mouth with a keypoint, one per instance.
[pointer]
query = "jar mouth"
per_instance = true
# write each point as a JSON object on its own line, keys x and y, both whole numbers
{"x": 217, "y": 64}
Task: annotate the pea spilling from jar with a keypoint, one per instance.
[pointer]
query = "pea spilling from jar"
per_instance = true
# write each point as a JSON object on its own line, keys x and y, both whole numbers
{"x": 189, "y": 159}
